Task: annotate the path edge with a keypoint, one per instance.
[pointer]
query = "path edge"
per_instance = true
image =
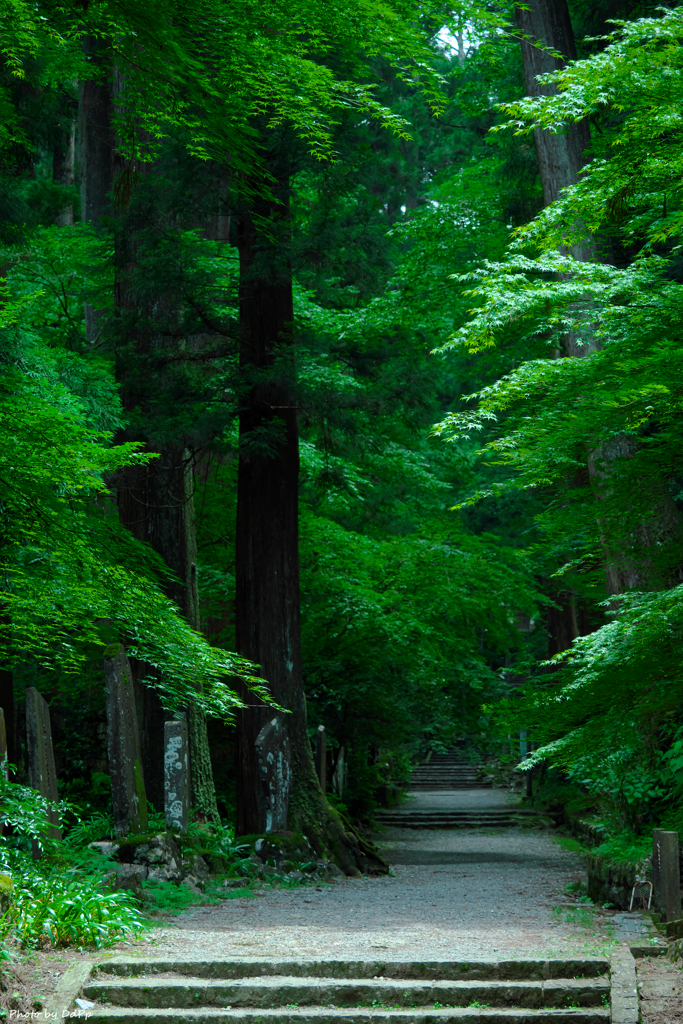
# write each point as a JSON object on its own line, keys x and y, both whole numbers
{"x": 623, "y": 987}
{"x": 69, "y": 986}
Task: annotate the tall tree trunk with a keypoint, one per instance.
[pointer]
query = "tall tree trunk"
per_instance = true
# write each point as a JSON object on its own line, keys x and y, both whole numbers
{"x": 64, "y": 167}
{"x": 155, "y": 502}
{"x": 267, "y": 540}
{"x": 96, "y": 152}
{"x": 560, "y": 154}
{"x": 7, "y": 705}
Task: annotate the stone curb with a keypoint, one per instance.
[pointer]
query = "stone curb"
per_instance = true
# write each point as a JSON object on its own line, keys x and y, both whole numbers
{"x": 624, "y": 987}
{"x": 61, "y": 1003}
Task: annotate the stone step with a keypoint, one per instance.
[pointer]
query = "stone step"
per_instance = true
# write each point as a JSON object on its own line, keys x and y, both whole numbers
{"x": 477, "y": 812}
{"x": 474, "y": 819}
{"x": 430, "y": 784}
{"x": 514, "y": 969}
{"x": 279, "y": 992}
{"x": 161, "y": 991}
{"x": 474, "y": 823}
{"x": 371, "y": 1015}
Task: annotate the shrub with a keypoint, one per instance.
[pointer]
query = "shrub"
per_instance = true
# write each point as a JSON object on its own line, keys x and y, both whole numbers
{"x": 72, "y": 912}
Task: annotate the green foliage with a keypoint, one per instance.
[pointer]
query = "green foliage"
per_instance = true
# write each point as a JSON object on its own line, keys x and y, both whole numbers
{"x": 67, "y": 565}
{"x": 72, "y": 912}
{"x": 595, "y": 436}
{"x": 26, "y": 811}
{"x": 624, "y": 847}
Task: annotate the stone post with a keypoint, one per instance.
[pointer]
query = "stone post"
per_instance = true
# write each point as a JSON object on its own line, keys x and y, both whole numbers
{"x": 338, "y": 775}
{"x": 41, "y": 759}
{"x": 3, "y": 754}
{"x": 321, "y": 757}
{"x": 666, "y": 876}
{"x": 3, "y": 745}
{"x": 176, "y": 775}
{"x": 274, "y": 759}
{"x": 129, "y": 801}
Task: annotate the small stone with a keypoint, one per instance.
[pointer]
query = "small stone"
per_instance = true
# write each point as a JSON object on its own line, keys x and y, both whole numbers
{"x": 192, "y": 885}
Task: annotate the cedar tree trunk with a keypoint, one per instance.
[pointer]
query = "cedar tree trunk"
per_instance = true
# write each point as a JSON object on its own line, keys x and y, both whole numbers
{"x": 267, "y": 540}
{"x": 155, "y": 502}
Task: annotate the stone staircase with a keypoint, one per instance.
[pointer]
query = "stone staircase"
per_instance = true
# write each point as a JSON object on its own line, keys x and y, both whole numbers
{"x": 348, "y": 992}
{"x": 446, "y": 771}
{"x": 484, "y": 817}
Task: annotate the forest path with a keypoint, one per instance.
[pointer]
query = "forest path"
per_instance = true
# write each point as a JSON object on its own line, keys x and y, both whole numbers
{"x": 453, "y": 894}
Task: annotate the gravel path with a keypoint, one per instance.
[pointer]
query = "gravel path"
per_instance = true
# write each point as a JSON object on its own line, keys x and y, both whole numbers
{"x": 454, "y": 894}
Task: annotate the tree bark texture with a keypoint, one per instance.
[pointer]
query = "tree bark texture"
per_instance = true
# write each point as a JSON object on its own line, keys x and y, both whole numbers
{"x": 641, "y": 563}
{"x": 267, "y": 613}
{"x": 7, "y": 705}
{"x": 64, "y": 167}
{"x": 95, "y": 152}
{"x": 156, "y": 504}
{"x": 96, "y": 136}
{"x": 563, "y": 626}
{"x": 560, "y": 155}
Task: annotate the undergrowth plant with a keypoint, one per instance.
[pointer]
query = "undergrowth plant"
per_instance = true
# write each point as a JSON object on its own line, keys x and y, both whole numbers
{"x": 57, "y": 912}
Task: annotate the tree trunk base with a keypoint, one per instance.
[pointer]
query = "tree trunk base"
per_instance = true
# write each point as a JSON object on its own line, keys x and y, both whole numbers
{"x": 331, "y": 834}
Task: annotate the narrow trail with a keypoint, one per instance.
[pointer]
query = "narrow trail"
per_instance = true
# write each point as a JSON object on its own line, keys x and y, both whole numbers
{"x": 453, "y": 892}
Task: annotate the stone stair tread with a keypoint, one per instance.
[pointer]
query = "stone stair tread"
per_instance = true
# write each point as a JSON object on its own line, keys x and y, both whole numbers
{"x": 257, "y": 967}
{"x": 102, "y": 985}
{"x": 320, "y": 1015}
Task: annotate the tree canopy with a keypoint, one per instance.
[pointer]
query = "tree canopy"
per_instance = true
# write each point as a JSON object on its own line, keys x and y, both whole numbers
{"x": 480, "y": 393}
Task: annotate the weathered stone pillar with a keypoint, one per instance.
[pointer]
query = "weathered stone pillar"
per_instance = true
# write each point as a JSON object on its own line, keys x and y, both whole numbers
{"x": 274, "y": 759}
{"x": 666, "y": 875}
{"x": 3, "y": 745}
{"x": 321, "y": 756}
{"x": 176, "y": 775}
{"x": 41, "y": 759}
{"x": 129, "y": 801}
{"x": 338, "y": 775}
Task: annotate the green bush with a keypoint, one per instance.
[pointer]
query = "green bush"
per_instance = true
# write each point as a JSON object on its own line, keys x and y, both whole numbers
{"x": 72, "y": 912}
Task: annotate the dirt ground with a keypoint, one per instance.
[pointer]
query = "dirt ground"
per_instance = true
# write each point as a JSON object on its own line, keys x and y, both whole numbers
{"x": 660, "y": 984}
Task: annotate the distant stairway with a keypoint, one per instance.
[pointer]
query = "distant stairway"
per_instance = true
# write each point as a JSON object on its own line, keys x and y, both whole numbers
{"x": 447, "y": 771}
{"x": 486, "y": 817}
{"x": 130, "y": 991}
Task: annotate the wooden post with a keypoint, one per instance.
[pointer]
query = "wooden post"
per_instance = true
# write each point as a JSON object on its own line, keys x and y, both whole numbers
{"x": 176, "y": 775}
{"x": 666, "y": 876}
{"x": 41, "y": 760}
{"x": 321, "y": 757}
{"x": 129, "y": 801}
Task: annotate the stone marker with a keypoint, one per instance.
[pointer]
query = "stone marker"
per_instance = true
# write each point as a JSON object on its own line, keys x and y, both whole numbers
{"x": 321, "y": 757}
{"x": 3, "y": 745}
{"x": 338, "y": 775}
{"x": 176, "y": 775}
{"x": 41, "y": 759}
{"x": 666, "y": 875}
{"x": 3, "y": 754}
{"x": 274, "y": 758}
{"x": 129, "y": 802}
